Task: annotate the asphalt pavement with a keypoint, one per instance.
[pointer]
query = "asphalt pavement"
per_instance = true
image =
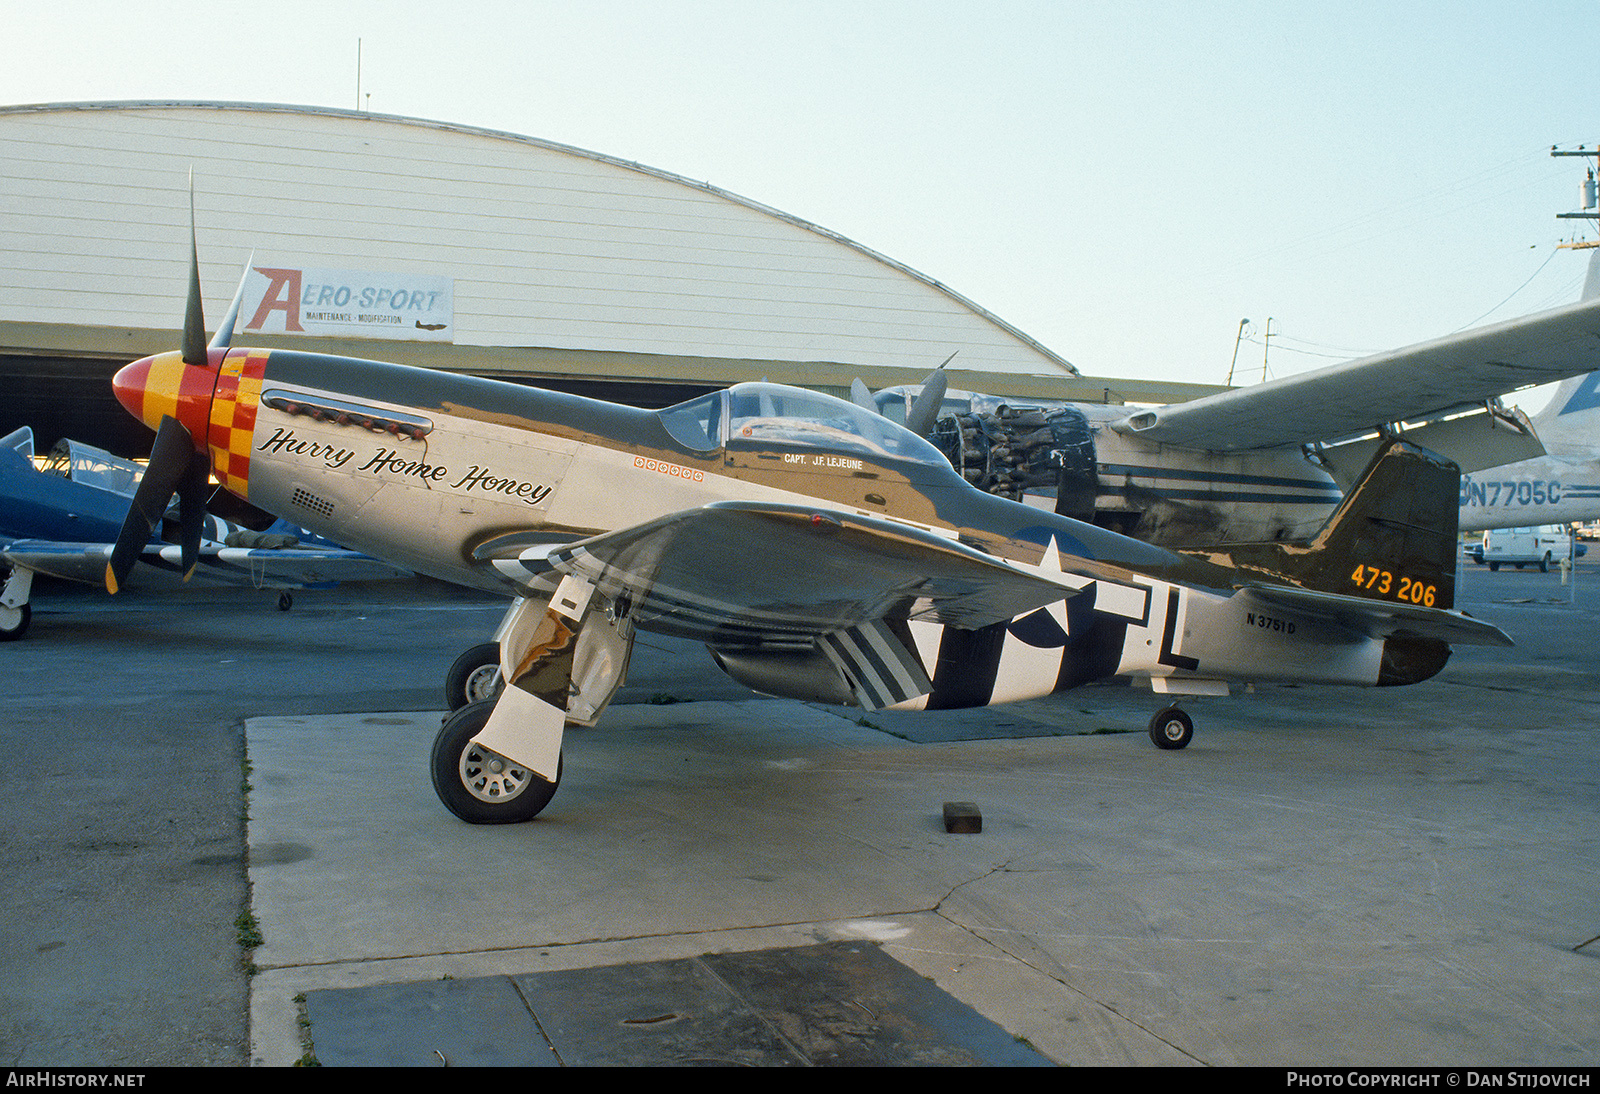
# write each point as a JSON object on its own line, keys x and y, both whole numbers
{"x": 1324, "y": 877}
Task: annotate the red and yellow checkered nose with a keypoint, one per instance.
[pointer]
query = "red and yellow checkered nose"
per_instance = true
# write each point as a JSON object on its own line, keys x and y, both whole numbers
{"x": 162, "y": 386}
{"x": 217, "y": 404}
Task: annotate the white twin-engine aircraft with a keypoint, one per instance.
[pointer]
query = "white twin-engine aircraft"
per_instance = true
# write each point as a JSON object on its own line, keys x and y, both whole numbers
{"x": 1560, "y": 487}
{"x": 821, "y": 551}
{"x": 1270, "y": 461}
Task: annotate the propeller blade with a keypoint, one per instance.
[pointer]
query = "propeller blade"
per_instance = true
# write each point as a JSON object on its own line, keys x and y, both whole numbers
{"x": 224, "y": 336}
{"x": 169, "y": 460}
{"x": 193, "y": 490}
{"x": 861, "y": 395}
{"x": 194, "y": 321}
{"x": 924, "y": 412}
{"x": 235, "y": 510}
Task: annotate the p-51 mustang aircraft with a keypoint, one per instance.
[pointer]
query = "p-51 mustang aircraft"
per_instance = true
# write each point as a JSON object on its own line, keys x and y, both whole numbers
{"x": 821, "y": 551}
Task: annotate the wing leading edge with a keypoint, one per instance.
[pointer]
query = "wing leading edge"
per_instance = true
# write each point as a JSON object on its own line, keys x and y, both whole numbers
{"x": 1457, "y": 371}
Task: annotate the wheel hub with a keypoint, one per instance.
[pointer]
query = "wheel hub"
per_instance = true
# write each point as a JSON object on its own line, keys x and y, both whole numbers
{"x": 483, "y": 683}
{"x": 489, "y": 776}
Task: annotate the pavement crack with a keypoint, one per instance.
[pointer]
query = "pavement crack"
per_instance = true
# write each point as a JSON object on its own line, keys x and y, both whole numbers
{"x": 1057, "y": 975}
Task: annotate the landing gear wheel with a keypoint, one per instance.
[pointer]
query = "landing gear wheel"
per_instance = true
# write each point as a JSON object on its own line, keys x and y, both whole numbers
{"x": 474, "y": 677}
{"x": 1171, "y": 728}
{"x": 14, "y": 622}
{"x": 479, "y": 786}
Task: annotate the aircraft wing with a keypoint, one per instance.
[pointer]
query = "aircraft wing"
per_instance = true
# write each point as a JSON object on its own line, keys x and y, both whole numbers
{"x": 1456, "y": 371}
{"x": 734, "y": 573}
{"x": 1383, "y": 618}
{"x": 258, "y": 567}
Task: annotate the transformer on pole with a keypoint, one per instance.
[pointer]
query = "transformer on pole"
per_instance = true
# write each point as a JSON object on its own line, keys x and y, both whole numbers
{"x": 1588, "y": 197}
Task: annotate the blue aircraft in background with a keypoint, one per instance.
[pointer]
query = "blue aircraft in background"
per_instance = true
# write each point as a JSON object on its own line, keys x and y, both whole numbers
{"x": 61, "y": 519}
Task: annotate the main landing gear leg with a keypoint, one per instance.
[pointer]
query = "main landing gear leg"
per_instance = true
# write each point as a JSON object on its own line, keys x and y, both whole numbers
{"x": 498, "y": 761}
{"x": 1171, "y": 728}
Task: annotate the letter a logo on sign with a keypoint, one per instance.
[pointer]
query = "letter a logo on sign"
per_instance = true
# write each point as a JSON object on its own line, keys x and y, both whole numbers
{"x": 283, "y": 294}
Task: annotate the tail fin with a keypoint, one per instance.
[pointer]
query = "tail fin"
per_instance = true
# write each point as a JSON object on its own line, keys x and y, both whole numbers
{"x": 1570, "y": 419}
{"x": 1393, "y": 537}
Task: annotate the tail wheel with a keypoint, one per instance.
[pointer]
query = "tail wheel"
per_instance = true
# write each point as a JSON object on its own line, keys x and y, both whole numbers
{"x": 480, "y": 786}
{"x": 1171, "y": 728}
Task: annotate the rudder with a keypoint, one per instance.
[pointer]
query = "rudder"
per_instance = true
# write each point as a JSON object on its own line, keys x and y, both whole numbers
{"x": 1392, "y": 538}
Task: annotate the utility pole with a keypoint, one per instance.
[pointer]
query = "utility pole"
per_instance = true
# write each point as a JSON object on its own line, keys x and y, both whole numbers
{"x": 1586, "y": 197}
{"x": 1243, "y": 323}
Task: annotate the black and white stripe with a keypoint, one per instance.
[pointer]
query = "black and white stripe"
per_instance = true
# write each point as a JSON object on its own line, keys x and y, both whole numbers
{"x": 881, "y": 670}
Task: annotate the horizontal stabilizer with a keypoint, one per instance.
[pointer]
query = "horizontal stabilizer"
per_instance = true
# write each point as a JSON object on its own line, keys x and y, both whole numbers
{"x": 1383, "y": 619}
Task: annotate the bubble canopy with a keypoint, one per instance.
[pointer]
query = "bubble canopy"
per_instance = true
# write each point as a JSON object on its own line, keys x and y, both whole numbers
{"x": 776, "y": 416}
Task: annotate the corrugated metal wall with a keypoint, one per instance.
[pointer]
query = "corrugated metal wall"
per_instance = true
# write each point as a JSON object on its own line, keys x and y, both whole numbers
{"x": 550, "y": 247}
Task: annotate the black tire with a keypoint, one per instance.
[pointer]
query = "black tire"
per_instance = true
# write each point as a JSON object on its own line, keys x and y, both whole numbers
{"x": 1171, "y": 728}
{"x": 1493, "y": 567}
{"x": 1544, "y": 563}
{"x": 14, "y": 622}
{"x": 465, "y": 778}
{"x": 473, "y": 679}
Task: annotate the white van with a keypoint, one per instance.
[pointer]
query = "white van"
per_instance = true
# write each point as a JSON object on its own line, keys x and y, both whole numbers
{"x": 1544, "y": 545}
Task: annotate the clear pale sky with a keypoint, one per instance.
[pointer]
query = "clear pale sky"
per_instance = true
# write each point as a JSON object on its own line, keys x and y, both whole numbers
{"x": 1123, "y": 182}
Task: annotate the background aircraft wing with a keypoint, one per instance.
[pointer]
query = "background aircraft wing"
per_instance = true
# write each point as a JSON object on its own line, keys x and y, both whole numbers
{"x": 735, "y": 573}
{"x": 259, "y": 567}
{"x": 1457, "y": 371}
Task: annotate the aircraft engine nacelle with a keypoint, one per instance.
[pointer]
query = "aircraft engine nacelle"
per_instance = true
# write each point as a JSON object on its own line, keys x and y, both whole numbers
{"x": 1025, "y": 449}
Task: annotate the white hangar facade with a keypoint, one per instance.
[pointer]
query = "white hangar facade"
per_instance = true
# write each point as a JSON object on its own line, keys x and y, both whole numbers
{"x": 449, "y": 247}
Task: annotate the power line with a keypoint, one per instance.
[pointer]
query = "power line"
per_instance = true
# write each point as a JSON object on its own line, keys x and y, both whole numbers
{"x": 1519, "y": 288}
